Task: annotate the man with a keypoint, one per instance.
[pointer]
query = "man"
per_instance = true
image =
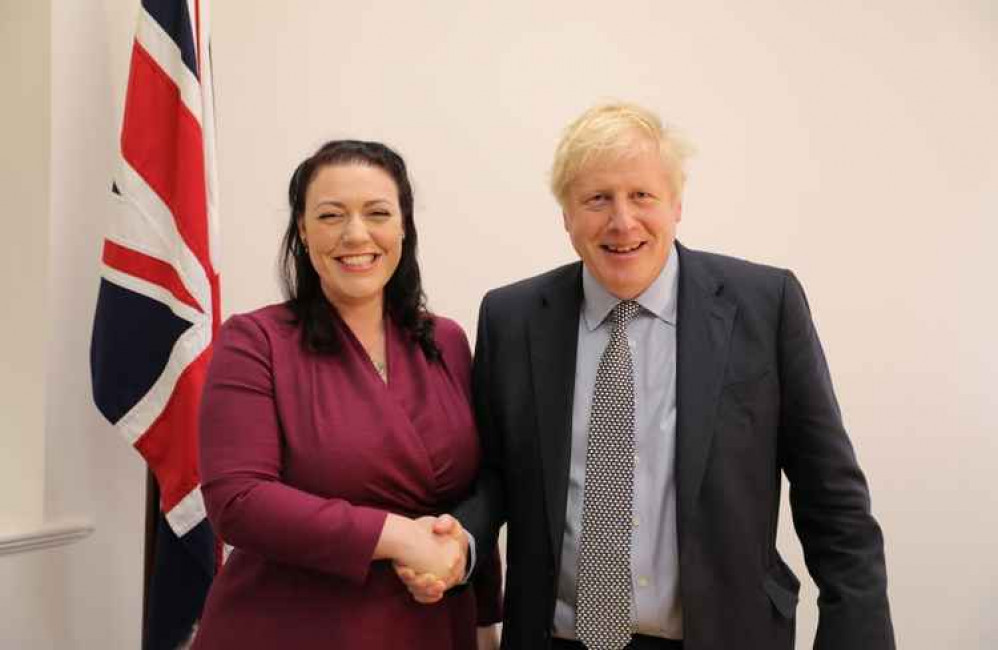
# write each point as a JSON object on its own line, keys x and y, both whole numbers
{"x": 636, "y": 411}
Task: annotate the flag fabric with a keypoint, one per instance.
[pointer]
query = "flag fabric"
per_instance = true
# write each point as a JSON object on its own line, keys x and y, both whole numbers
{"x": 158, "y": 302}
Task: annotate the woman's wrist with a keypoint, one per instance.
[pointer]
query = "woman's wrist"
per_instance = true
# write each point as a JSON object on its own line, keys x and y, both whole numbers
{"x": 395, "y": 535}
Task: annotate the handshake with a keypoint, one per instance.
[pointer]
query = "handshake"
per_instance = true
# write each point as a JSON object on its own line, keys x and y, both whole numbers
{"x": 429, "y": 554}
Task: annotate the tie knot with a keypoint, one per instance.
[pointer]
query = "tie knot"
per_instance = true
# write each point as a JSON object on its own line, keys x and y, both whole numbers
{"x": 624, "y": 312}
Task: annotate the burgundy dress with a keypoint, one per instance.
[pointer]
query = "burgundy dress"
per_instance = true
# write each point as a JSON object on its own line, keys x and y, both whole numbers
{"x": 302, "y": 457}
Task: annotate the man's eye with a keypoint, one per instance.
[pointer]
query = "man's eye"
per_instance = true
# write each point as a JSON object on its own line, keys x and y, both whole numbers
{"x": 596, "y": 198}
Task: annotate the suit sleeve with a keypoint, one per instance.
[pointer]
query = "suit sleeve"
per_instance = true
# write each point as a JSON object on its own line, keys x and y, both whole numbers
{"x": 483, "y": 512}
{"x": 843, "y": 545}
{"x": 487, "y": 584}
{"x": 240, "y": 454}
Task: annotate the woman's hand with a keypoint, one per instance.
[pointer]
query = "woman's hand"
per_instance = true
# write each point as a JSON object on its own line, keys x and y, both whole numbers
{"x": 428, "y": 563}
{"x": 441, "y": 556}
{"x": 426, "y": 586}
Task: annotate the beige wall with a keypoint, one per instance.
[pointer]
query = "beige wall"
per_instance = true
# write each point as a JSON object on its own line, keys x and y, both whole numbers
{"x": 24, "y": 199}
{"x": 855, "y": 145}
{"x": 89, "y": 594}
{"x": 26, "y": 583}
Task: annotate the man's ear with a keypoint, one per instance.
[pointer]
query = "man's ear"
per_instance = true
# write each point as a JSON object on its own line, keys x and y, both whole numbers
{"x": 679, "y": 210}
{"x": 566, "y": 221}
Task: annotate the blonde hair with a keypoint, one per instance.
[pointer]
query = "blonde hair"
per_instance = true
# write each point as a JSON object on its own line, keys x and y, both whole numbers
{"x": 616, "y": 130}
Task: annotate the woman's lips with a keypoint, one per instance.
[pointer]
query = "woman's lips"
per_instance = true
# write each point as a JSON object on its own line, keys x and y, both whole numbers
{"x": 357, "y": 263}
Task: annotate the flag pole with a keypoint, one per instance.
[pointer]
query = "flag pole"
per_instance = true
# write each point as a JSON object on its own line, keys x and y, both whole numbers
{"x": 149, "y": 548}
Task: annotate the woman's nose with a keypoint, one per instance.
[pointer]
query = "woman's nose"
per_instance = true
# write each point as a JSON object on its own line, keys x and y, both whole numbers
{"x": 354, "y": 229}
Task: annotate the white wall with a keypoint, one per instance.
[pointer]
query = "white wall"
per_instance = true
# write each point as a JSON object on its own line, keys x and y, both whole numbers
{"x": 856, "y": 145}
{"x": 854, "y": 142}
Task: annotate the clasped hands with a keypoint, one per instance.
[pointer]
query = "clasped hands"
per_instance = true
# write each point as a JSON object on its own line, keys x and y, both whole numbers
{"x": 433, "y": 557}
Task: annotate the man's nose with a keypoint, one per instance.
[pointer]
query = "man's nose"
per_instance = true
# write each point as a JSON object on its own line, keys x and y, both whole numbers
{"x": 622, "y": 213}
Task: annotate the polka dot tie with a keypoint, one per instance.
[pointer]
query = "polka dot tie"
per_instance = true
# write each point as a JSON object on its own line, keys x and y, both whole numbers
{"x": 603, "y": 609}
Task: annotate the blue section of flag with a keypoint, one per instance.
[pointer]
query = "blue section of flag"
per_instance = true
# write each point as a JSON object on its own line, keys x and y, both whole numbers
{"x": 184, "y": 567}
{"x": 173, "y": 17}
{"x": 132, "y": 339}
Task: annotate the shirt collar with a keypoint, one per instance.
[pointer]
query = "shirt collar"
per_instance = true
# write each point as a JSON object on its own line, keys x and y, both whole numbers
{"x": 659, "y": 299}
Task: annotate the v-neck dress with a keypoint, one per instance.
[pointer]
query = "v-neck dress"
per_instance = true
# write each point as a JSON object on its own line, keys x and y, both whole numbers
{"x": 302, "y": 457}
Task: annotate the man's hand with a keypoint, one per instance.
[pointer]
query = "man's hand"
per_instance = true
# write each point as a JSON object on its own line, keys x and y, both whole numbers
{"x": 488, "y": 638}
{"x": 428, "y": 586}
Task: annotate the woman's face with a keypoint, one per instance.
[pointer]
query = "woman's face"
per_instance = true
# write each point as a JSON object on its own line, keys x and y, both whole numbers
{"x": 352, "y": 226}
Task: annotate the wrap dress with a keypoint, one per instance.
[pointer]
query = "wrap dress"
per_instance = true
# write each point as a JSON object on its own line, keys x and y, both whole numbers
{"x": 302, "y": 457}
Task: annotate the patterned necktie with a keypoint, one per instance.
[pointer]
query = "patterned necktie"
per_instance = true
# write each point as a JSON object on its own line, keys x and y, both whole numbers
{"x": 603, "y": 609}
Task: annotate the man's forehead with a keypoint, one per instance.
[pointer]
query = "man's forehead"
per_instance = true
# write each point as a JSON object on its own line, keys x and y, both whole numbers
{"x": 631, "y": 163}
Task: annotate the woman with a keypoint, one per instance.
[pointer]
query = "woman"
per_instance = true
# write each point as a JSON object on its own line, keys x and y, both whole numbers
{"x": 331, "y": 423}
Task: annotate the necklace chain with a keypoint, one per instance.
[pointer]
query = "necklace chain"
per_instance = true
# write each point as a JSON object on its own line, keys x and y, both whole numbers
{"x": 382, "y": 369}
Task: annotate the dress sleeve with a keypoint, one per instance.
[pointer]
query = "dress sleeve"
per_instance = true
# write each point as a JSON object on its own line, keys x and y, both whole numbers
{"x": 455, "y": 350}
{"x": 241, "y": 468}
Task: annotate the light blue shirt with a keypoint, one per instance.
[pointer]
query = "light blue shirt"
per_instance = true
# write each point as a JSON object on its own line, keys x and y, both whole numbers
{"x": 654, "y": 544}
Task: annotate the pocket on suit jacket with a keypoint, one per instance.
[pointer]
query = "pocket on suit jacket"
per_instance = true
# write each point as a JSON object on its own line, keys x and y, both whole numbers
{"x": 784, "y": 598}
{"x": 747, "y": 411}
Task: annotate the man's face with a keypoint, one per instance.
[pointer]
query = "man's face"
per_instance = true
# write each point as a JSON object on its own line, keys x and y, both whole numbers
{"x": 621, "y": 216}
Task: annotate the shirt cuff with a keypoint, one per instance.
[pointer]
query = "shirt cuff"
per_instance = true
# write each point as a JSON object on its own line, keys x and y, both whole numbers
{"x": 471, "y": 558}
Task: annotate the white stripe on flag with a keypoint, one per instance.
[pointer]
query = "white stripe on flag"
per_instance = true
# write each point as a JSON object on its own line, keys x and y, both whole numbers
{"x": 147, "y": 410}
{"x": 188, "y": 512}
{"x": 154, "y": 232}
{"x": 166, "y": 53}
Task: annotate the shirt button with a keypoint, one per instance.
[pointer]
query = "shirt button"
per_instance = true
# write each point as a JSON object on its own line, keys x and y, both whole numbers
{"x": 642, "y": 581}
{"x": 635, "y": 521}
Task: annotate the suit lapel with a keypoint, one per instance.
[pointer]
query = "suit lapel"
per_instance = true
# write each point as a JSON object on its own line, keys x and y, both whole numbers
{"x": 553, "y": 338}
{"x": 703, "y": 336}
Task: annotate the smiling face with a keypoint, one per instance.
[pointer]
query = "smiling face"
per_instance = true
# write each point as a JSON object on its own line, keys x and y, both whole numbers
{"x": 621, "y": 216}
{"x": 352, "y": 227}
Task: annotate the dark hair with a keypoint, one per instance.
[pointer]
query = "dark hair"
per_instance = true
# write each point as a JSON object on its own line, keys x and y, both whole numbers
{"x": 405, "y": 301}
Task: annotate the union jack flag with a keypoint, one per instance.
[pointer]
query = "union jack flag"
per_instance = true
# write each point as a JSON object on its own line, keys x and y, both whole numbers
{"x": 158, "y": 304}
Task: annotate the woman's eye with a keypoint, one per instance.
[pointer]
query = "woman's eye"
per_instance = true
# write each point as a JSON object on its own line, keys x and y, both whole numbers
{"x": 330, "y": 215}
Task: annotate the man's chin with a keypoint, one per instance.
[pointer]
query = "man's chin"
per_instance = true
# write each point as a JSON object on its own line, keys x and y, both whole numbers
{"x": 625, "y": 290}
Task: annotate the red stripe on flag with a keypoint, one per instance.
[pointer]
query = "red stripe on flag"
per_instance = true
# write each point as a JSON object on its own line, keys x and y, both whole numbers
{"x": 161, "y": 140}
{"x": 170, "y": 445}
{"x": 150, "y": 269}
